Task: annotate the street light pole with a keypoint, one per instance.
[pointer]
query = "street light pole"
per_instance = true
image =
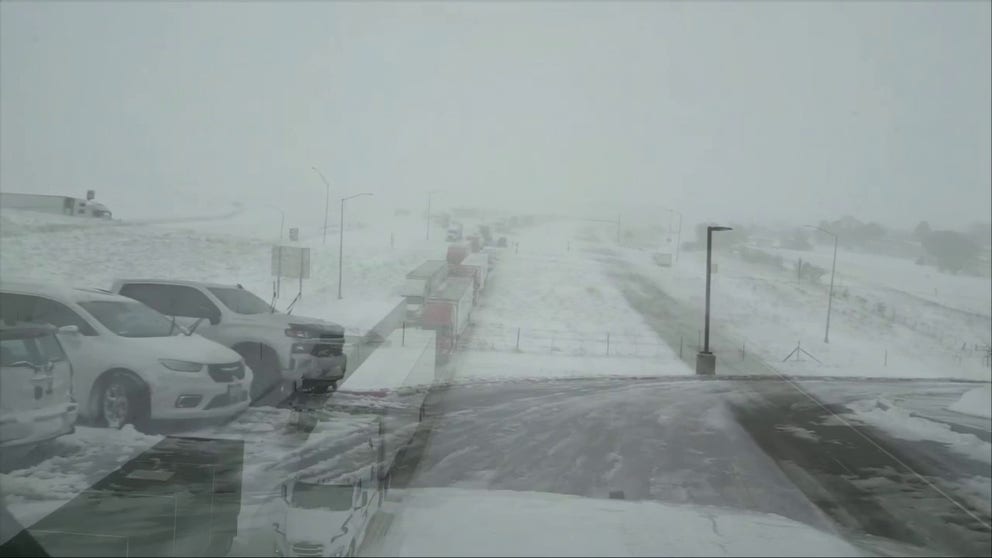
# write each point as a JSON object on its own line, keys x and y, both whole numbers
{"x": 706, "y": 360}
{"x": 341, "y": 239}
{"x": 833, "y": 271}
{"x": 327, "y": 199}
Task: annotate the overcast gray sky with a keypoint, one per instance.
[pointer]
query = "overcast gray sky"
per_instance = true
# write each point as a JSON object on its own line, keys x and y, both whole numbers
{"x": 798, "y": 111}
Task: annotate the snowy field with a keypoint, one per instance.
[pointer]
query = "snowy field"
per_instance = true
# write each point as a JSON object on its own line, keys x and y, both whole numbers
{"x": 235, "y": 249}
{"x": 875, "y": 331}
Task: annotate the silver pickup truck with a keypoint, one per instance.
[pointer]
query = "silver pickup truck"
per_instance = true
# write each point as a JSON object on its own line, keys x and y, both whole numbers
{"x": 278, "y": 347}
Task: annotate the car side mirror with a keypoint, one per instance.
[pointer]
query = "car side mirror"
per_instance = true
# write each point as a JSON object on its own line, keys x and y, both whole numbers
{"x": 214, "y": 319}
{"x": 69, "y": 330}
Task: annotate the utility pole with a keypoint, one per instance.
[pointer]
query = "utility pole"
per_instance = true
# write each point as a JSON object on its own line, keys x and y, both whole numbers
{"x": 833, "y": 271}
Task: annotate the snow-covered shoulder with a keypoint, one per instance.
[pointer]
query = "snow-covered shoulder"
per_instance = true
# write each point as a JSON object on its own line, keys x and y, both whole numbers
{"x": 467, "y": 522}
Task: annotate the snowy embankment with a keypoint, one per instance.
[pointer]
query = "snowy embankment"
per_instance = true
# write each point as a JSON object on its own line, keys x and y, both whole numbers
{"x": 551, "y": 312}
{"x": 875, "y": 331}
{"x": 54, "y": 248}
{"x": 976, "y": 402}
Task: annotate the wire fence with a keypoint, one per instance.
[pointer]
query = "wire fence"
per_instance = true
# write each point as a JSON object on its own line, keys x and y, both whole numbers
{"x": 562, "y": 342}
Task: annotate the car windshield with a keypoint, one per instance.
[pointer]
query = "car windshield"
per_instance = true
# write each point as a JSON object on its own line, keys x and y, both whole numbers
{"x": 241, "y": 301}
{"x": 322, "y": 496}
{"x": 561, "y": 277}
{"x": 130, "y": 319}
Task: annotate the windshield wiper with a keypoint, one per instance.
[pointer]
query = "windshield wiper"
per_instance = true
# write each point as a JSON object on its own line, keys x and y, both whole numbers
{"x": 289, "y": 310}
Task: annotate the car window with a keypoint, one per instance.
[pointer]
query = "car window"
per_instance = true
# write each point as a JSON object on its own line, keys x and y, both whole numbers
{"x": 172, "y": 300}
{"x": 17, "y": 350}
{"x": 156, "y": 297}
{"x": 47, "y": 311}
{"x": 130, "y": 318}
{"x": 241, "y": 301}
{"x": 15, "y": 308}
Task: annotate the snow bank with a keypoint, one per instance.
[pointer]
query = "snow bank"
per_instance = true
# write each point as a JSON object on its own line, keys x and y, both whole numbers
{"x": 900, "y": 423}
{"x": 79, "y": 460}
{"x": 466, "y": 522}
{"x": 976, "y": 402}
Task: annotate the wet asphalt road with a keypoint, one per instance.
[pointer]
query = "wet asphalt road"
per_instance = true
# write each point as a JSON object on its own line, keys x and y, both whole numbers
{"x": 730, "y": 443}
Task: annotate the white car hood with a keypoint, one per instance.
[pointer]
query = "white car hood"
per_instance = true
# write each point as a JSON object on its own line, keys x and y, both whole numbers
{"x": 464, "y": 522}
{"x": 185, "y": 347}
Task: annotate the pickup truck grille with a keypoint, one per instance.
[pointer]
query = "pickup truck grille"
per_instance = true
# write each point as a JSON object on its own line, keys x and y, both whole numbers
{"x": 226, "y": 373}
{"x": 329, "y": 345}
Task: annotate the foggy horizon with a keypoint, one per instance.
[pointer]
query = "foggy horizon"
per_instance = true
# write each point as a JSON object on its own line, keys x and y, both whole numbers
{"x": 739, "y": 112}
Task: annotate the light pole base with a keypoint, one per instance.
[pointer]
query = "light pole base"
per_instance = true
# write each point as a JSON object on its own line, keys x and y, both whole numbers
{"x": 705, "y": 364}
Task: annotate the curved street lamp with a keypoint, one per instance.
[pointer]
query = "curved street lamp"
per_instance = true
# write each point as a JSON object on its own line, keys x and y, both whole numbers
{"x": 341, "y": 238}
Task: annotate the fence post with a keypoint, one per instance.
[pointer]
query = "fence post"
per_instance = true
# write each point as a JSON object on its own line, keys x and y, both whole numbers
{"x": 743, "y": 349}
{"x": 403, "y": 342}
{"x": 680, "y": 346}
{"x": 518, "y": 339}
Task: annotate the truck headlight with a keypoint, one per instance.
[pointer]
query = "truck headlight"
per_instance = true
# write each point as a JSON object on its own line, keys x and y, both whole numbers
{"x": 298, "y": 333}
{"x": 181, "y": 365}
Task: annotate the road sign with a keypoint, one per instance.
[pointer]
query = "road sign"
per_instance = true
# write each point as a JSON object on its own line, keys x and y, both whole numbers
{"x": 291, "y": 261}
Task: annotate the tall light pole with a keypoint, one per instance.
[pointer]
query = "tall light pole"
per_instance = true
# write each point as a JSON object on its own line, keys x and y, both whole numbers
{"x": 705, "y": 360}
{"x": 429, "y": 195}
{"x": 833, "y": 270}
{"x": 327, "y": 199}
{"x": 341, "y": 239}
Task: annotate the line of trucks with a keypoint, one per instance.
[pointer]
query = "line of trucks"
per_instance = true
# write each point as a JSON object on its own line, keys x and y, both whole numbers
{"x": 440, "y": 294}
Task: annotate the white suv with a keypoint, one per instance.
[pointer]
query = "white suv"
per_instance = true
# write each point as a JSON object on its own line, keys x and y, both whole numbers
{"x": 279, "y": 347}
{"x": 130, "y": 363}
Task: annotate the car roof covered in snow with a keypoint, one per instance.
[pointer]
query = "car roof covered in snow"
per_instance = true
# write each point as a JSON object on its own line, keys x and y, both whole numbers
{"x": 177, "y": 282}
{"x": 57, "y": 290}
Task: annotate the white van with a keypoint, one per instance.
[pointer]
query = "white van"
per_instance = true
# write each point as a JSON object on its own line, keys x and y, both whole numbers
{"x": 130, "y": 363}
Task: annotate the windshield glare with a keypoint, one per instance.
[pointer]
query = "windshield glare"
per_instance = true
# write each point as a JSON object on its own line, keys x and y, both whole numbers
{"x": 130, "y": 319}
{"x": 241, "y": 301}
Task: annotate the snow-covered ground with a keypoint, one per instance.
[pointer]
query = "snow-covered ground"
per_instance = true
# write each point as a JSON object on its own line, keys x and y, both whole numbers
{"x": 566, "y": 311}
{"x": 976, "y": 402}
{"x": 875, "y": 331}
{"x": 467, "y": 522}
{"x": 54, "y": 248}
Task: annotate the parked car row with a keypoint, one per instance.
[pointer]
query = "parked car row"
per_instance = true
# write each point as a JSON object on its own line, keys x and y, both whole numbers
{"x": 148, "y": 350}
